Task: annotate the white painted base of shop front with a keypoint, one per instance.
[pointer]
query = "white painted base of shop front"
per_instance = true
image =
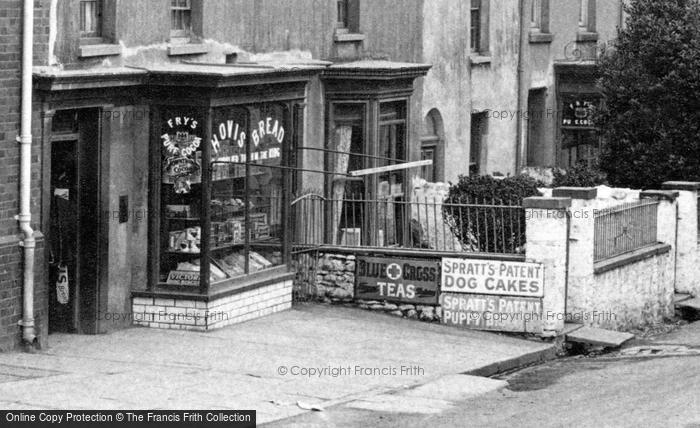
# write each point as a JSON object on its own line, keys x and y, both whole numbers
{"x": 188, "y": 314}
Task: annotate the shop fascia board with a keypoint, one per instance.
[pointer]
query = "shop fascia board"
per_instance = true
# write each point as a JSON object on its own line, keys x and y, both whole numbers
{"x": 379, "y": 70}
{"x": 51, "y": 79}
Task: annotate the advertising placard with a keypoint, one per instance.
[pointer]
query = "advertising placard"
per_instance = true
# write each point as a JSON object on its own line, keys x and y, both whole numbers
{"x": 397, "y": 280}
{"x": 496, "y": 313}
{"x": 494, "y": 277}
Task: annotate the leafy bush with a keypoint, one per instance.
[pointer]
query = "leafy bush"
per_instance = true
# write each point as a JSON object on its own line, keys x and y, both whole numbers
{"x": 651, "y": 84}
{"x": 484, "y": 214}
{"x": 580, "y": 175}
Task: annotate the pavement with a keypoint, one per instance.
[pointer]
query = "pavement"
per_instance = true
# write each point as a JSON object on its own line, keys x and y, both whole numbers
{"x": 284, "y": 365}
{"x": 652, "y": 385}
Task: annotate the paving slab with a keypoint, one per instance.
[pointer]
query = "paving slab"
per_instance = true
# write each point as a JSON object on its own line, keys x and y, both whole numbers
{"x": 599, "y": 337}
{"x": 456, "y": 387}
{"x": 277, "y": 365}
{"x": 686, "y": 335}
{"x": 693, "y": 303}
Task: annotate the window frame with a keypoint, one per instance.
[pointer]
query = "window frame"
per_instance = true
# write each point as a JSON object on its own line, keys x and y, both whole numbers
{"x": 587, "y": 16}
{"x": 433, "y": 140}
{"x": 175, "y": 9}
{"x": 479, "y": 34}
{"x": 477, "y": 148}
{"x": 98, "y": 18}
{"x": 536, "y": 14}
{"x": 342, "y": 10}
{"x": 372, "y": 123}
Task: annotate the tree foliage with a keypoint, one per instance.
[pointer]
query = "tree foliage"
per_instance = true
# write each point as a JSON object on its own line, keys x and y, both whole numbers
{"x": 651, "y": 83}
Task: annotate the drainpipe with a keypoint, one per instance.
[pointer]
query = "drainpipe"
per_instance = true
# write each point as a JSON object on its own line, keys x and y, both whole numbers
{"x": 521, "y": 65}
{"x": 25, "y": 140}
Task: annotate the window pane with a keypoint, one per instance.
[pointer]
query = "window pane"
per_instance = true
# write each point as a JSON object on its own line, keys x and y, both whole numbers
{"x": 181, "y": 191}
{"x": 246, "y": 206}
{"x": 343, "y": 13}
{"x": 347, "y": 209}
{"x": 89, "y": 18}
{"x": 428, "y": 171}
{"x": 583, "y": 13}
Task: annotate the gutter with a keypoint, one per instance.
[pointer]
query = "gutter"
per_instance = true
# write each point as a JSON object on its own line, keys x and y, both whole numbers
{"x": 521, "y": 64}
{"x": 24, "y": 218}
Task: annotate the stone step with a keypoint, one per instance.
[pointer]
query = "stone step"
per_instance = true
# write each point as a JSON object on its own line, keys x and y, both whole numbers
{"x": 681, "y": 297}
{"x": 569, "y": 328}
{"x": 693, "y": 303}
{"x": 599, "y": 337}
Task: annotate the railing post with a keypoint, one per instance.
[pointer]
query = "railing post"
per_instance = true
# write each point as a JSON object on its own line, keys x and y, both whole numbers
{"x": 547, "y": 233}
{"x": 667, "y": 215}
{"x": 688, "y": 257}
{"x": 581, "y": 262}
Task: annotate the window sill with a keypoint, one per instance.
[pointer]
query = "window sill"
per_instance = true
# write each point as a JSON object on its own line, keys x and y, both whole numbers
{"x": 187, "y": 49}
{"x": 586, "y": 36}
{"x": 480, "y": 59}
{"x": 225, "y": 288}
{"x": 537, "y": 37}
{"x": 90, "y": 51}
{"x": 348, "y": 37}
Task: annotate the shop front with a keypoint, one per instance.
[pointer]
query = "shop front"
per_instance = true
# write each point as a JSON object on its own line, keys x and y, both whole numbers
{"x": 171, "y": 192}
{"x": 220, "y": 185}
{"x": 578, "y": 97}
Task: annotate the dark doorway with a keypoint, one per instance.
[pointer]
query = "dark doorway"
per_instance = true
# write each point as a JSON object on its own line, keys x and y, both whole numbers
{"x": 74, "y": 222}
{"x": 536, "y": 144}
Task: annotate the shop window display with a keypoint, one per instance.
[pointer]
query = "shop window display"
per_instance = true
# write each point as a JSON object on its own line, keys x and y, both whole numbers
{"x": 244, "y": 191}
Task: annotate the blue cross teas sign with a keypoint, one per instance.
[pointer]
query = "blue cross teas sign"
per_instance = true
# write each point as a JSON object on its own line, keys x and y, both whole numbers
{"x": 397, "y": 280}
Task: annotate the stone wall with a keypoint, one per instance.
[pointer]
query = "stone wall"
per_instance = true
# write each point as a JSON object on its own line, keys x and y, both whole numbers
{"x": 628, "y": 297}
{"x": 330, "y": 278}
{"x": 627, "y": 291}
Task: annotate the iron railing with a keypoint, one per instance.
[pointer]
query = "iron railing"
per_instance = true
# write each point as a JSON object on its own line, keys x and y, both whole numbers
{"x": 488, "y": 226}
{"x": 625, "y": 228}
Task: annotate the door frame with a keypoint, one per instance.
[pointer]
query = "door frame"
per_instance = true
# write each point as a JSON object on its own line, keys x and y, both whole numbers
{"x": 85, "y": 323}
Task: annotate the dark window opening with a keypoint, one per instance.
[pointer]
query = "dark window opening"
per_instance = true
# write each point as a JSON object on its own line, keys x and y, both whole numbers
{"x": 536, "y": 115}
{"x": 90, "y": 18}
{"x": 478, "y": 137}
{"x": 475, "y": 33}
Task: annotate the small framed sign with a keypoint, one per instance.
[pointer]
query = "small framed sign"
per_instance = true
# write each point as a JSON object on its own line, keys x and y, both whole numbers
{"x": 397, "y": 280}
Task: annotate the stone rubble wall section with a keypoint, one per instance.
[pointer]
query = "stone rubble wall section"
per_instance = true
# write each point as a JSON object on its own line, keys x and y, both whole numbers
{"x": 183, "y": 314}
{"x": 335, "y": 284}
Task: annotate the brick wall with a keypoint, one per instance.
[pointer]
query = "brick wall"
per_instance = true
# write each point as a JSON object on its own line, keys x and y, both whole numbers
{"x": 184, "y": 314}
{"x": 11, "y": 294}
{"x": 10, "y": 252}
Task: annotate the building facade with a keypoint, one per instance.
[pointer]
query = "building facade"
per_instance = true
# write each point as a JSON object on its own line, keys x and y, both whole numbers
{"x": 282, "y": 100}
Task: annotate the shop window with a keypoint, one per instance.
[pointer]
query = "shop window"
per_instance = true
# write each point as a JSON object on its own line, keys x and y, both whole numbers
{"x": 91, "y": 18}
{"x": 478, "y": 139}
{"x": 432, "y": 147}
{"x": 368, "y": 210}
{"x": 479, "y": 31}
{"x": 579, "y": 137}
{"x": 244, "y": 217}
